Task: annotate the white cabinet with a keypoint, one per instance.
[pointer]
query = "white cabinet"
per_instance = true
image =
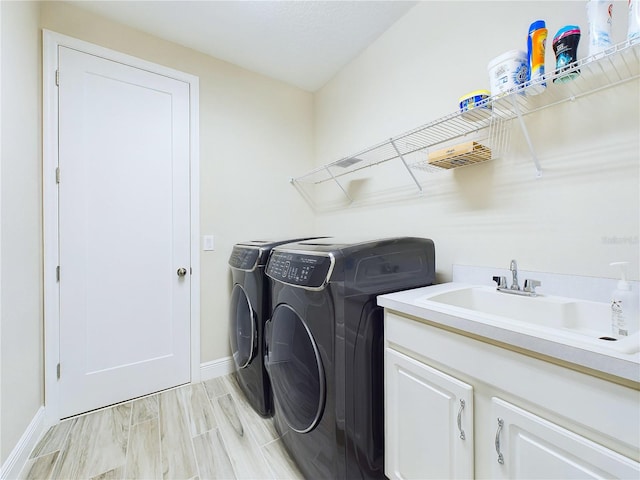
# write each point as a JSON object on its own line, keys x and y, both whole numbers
{"x": 530, "y": 447}
{"x": 429, "y": 421}
{"x": 555, "y": 423}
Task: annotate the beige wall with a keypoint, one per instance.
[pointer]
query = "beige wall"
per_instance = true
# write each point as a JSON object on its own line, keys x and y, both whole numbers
{"x": 485, "y": 215}
{"x": 21, "y": 351}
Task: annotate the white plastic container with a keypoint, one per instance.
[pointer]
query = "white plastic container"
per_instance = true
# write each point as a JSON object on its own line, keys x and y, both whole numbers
{"x": 624, "y": 306}
{"x": 508, "y": 71}
{"x": 599, "y": 14}
{"x": 633, "y": 34}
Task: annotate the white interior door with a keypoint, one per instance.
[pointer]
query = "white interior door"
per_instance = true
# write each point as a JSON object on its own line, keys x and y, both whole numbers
{"x": 124, "y": 232}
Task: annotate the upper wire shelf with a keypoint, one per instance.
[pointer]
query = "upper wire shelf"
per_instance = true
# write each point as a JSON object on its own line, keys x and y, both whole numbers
{"x": 618, "y": 64}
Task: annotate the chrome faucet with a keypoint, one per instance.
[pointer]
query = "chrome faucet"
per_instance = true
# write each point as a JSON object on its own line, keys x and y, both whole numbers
{"x": 529, "y": 285}
{"x": 514, "y": 271}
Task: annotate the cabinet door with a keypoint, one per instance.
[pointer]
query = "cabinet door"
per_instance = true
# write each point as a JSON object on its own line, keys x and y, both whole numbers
{"x": 428, "y": 421}
{"x": 531, "y": 447}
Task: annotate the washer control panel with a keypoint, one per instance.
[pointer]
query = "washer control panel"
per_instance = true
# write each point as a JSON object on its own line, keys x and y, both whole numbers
{"x": 244, "y": 258}
{"x": 301, "y": 269}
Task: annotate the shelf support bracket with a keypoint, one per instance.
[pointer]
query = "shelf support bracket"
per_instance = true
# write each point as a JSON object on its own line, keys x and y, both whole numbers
{"x": 393, "y": 144}
{"x": 338, "y": 183}
{"x": 534, "y": 157}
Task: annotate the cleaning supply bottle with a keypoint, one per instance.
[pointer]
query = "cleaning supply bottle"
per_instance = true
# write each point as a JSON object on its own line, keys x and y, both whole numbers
{"x": 599, "y": 14}
{"x": 536, "y": 46}
{"x": 633, "y": 33}
{"x": 624, "y": 305}
{"x": 565, "y": 46}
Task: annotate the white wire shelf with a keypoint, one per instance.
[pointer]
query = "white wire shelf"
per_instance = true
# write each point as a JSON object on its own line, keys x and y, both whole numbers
{"x": 616, "y": 65}
{"x": 437, "y": 132}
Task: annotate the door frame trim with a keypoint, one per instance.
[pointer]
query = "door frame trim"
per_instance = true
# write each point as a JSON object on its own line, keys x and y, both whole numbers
{"x": 51, "y": 308}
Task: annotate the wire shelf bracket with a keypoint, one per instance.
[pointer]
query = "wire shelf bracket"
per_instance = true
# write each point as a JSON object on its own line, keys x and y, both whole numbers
{"x": 525, "y": 132}
{"x": 404, "y": 162}
{"x": 346, "y": 194}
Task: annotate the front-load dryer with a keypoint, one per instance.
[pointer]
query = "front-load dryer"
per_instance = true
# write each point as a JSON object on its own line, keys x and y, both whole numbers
{"x": 325, "y": 342}
{"x": 249, "y": 309}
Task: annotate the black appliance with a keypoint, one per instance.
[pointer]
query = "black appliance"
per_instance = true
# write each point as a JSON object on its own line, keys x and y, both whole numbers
{"x": 325, "y": 342}
{"x": 250, "y": 307}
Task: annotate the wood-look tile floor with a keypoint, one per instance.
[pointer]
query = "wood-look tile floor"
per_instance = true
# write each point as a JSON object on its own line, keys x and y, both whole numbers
{"x": 201, "y": 431}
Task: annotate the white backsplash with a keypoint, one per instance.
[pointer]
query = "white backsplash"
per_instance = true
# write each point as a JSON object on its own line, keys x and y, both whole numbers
{"x": 575, "y": 286}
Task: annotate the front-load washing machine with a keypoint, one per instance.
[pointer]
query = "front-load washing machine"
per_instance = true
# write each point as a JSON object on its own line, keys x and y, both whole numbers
{"x": 248, "y": 311}
{"x": 325, "y": 342}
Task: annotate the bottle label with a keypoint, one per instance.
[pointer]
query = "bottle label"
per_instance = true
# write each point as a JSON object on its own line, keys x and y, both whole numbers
{"x": 618, "y": 318}
{"x": 537, "y": 49}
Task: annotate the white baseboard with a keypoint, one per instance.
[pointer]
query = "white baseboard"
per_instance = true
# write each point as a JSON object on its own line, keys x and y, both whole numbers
{"x": 216, "y": 368}
{"x": 20, "y": 454}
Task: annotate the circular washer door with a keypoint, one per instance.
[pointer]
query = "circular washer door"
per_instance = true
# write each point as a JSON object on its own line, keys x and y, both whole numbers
{"x": 295, "y": 370}
{"x": 242, "y": 325}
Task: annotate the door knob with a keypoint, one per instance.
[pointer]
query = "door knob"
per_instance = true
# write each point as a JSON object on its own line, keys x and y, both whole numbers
{"x": 182, "y": 272}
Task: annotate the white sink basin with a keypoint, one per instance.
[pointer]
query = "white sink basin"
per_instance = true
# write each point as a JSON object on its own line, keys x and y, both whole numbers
{"x": 585, "y": 322}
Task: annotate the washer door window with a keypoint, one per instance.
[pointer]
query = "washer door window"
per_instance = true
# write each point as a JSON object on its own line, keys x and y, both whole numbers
{"x": 243, "y": 328}
{"x": 295, "y": 369}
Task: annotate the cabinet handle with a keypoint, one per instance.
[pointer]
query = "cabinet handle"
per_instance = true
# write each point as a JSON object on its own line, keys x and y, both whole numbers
{"x": 462, "y": 436}
{"x": 500, "y": 457}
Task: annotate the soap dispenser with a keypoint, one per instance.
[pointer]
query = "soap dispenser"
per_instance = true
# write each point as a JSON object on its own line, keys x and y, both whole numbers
{"x": 624, "y": 305}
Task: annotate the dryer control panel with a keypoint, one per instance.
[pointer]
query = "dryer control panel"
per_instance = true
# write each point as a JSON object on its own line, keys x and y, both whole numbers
{"x": 300, "y": 269}
{"x": 244, "y": 258}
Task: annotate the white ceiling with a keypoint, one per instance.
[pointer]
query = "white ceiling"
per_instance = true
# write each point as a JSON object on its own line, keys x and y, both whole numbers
{"x": 303, "y": 42}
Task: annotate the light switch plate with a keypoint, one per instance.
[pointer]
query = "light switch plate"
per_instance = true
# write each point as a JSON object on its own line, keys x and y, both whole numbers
{"x": 207, "y": 243}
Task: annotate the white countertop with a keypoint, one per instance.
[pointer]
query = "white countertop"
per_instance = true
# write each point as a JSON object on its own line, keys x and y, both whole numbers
{"x": 540, "y": 341}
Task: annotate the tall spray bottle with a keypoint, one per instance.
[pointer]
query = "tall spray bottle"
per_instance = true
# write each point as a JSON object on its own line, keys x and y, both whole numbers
{"x": 624, "y": 305}
{"x": 633, "y": 33}
{"x": 599, "y": 15}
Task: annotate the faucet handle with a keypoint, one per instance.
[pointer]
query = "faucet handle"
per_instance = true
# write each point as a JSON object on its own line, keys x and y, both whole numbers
{"x": 530, "y": 286}
{"x": 500, "y": 281}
